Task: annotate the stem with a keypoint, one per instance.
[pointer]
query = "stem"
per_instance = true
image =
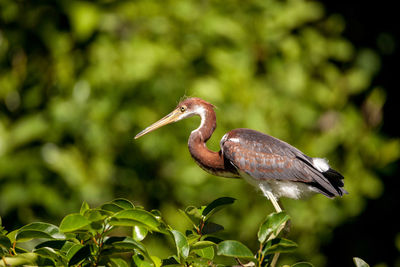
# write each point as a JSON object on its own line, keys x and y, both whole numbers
{"x": 94, "y": 240}
{"x": 99, "y": 242}
{"x": 260, "y": 255}
{"x": 199, "y": 229}
{"x": 4, "y": 260}
{"x": 275, "y": 259}
{"x": 13, "y": 252}
{"x": 239, "y": 262}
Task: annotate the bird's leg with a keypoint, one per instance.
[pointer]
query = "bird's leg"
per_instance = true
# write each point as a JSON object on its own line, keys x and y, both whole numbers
{"x": 267, "y": 192}
{"x": 278, "y": 209}
{"x": 271, "y": 197}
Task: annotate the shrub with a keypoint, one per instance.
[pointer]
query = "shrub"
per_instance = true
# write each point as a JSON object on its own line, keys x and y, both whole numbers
{"x": 93, "y": 237}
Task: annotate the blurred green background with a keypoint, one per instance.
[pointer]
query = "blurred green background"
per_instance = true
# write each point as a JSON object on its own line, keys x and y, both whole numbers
{"x": 79, "y": 79}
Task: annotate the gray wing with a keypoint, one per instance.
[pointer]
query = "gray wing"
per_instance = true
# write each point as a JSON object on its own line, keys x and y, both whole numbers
{"x": 264, "y": 157}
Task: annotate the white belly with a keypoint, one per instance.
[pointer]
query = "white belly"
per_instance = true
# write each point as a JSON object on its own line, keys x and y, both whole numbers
{"x": 295, "y": 190}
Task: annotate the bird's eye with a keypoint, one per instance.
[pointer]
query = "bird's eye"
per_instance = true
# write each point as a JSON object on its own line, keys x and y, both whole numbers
{"x": 183, "y": 108}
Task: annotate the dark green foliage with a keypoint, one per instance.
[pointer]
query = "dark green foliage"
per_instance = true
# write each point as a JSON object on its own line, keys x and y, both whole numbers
{"x": 87, "y": 240}
{"x": 271, "y": 225}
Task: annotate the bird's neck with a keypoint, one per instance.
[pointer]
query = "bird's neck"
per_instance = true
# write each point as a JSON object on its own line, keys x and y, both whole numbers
{"x": 207, "y": 125}
{"x": 210, "y": 161}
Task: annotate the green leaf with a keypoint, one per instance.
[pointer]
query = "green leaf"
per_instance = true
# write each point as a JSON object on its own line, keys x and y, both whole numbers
{"x": 203, "y": 244}
{"x": 11, "y": 235}
{"x": 118, "y": 244}
{"x": 84, "y": 208}
{"x": 192, "y": 236}
{"x": 81, "y": 254}
{"x": 20, "y": 260}
{"x": 133, "y": 217}
{"x": 192, "y": 214}
{"x": 20, "y": 250}
{"x": 70, "y": 251}
{"x": 271, "y": 225}
{"x": 360, "y": 262}
{"x": 73, "y": 222}
{"x": 96, "y": 215}
{"x": 156, "y": 213}
{"x": 216, "y": 205}
{"x": 38, "y": 230}
{"x": 157, "y": 261}
{"x": 206, "y": 252}
{"x": 118, "y": 262}
{"x": 302, "y": 264}
{"x": 51, "y": 254}
{"x": 117, "y": 205}
{"x": 140, "y": 261}
{"x": 233, "y": 248}
{"x": 182, "y": 245}
{"x": 54, "y": 244}
{"x": 4, "y": 242}
{"x": 139, "y": 232}
{"x": 210, "y": 227}
{"x": 62, "y": 247}
{"x": 123, "y": 203}
{"x": 47, "y": 261}
{"x": 203, "y": 262}
{"x": 2, "y": 231}
{"x": 125, "y": 243}
{"x": 280, "y": 245}
{"x": 111, "y": 207}
{"x": 170, "y": 261}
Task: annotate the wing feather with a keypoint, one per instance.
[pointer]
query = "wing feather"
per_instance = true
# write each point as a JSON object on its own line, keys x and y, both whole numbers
{"x": 264, "y": 158}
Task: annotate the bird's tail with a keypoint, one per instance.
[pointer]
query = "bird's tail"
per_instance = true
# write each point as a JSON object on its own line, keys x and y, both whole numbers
{"x": 332, "y": 183}
{"x": 336, "y": 180}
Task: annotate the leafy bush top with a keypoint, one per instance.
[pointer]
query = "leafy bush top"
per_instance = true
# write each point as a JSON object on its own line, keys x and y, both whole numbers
{"x": 90, "y": 238}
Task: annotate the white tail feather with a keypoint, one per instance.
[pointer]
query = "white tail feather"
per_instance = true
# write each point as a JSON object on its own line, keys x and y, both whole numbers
{"x": 321, "y": 164}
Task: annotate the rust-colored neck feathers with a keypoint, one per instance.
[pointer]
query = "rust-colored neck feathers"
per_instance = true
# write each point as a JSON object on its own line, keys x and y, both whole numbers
{"x": 210, "y": 161}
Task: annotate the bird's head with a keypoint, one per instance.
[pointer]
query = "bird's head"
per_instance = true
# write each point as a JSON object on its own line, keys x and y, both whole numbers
{"x": 185, "y": 109}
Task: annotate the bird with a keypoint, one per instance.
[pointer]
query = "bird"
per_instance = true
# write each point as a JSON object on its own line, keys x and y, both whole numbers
{"x": 275, "y": 167}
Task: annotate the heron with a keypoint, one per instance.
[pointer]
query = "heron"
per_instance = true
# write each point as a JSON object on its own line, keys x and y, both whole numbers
{"x": 277, "y": 168}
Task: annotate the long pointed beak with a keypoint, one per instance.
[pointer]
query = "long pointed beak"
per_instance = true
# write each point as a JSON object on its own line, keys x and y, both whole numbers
{"x": 170, "y": 118}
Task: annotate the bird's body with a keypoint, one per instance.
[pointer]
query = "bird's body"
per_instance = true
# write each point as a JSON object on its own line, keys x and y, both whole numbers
{"x": 272, "y": 165}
